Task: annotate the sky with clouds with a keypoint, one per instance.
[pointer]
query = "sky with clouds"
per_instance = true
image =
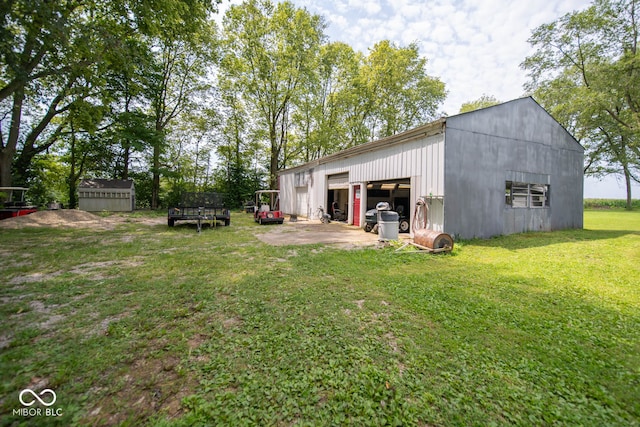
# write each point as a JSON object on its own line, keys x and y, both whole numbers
{"x": 474, "y": 46}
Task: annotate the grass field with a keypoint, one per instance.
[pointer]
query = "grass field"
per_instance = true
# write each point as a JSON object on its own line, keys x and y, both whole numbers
{"x": 147, "y": 325}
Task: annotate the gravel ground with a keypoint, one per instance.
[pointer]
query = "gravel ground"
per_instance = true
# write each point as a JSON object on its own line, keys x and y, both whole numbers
{"x": 311, "y": 232}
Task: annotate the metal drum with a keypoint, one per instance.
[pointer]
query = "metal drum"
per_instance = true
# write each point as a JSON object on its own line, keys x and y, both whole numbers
{"x": 433, "y": 240}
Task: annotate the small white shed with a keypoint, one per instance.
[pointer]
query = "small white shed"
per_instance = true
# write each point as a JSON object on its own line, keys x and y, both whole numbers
{"x": 112, "y": 195}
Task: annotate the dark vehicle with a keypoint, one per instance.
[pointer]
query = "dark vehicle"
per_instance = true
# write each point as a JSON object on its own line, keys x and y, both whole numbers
{"x": 371, "y": 221}
{"x": 200, "y": 207}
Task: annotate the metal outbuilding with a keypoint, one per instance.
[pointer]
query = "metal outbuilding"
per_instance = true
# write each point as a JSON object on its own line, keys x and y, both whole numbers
{"x": 504, "y": 169}
{"x": 112, "y": 195}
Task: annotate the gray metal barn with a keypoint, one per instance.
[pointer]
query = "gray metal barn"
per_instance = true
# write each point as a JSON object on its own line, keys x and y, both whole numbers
{"x": 112, "y": 195}
{"x": 505, "y": 169}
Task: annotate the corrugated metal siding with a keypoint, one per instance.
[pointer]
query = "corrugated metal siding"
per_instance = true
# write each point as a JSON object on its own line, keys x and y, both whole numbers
{"x": 421, "y": 159}
{"x": 514, "y": 141}
{"x": 338, "y": 181}
{"x": 288, "y": 193}
{"x": 302, "y": 202}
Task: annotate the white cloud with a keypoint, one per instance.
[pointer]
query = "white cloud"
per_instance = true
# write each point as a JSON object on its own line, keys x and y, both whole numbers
{"x": 474, "y": 46}
{"x": 371, "y": 7}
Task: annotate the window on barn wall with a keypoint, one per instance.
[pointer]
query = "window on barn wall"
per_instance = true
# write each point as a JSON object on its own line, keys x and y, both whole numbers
{"x": 538, "y": 195}
{"x": 519, "y": 195}
{"x": 301, "y": 179}
{"x": 523, "y": 195}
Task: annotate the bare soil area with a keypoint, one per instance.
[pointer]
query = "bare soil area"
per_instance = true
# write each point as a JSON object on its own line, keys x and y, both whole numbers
{"x": 312, "y": 232}
{"x": 72, "y": 218}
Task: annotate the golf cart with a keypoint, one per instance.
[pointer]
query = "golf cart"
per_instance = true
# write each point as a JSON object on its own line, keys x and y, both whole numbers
{"x": 12, "y": 202}
{"x": 267, "y": 207}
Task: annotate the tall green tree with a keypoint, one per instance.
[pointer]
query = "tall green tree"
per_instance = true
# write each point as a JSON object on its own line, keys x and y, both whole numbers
{"x": 41, "y": 63}
{"x": 175, "y": 82}
{"x": 50, "y": 50}
{"x": 131, "y": 129}
{"x": 268, "y": 52}
{"x": 189, "y": 152}
{"x": 239, "y": 151}
{"x": 483, "y": 102}
{"x": 586, "y": 71}
{"x": 402, "y": 94}
{"x": 327, "y": 112}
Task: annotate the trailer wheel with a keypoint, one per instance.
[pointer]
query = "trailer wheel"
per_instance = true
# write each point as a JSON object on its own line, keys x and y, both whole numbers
{"x": 404, "y": 226}
{"x": 368, "y": 227}
{"x": 171, "y": 222}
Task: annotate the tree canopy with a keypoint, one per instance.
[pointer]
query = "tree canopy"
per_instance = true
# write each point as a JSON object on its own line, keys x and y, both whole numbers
{"x": 155, "y": 91}
{"x": 586, "y": 72}
{"x": 483, "y": 102}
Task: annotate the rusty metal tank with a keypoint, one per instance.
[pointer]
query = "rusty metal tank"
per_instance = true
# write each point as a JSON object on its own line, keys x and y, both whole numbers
{"x": 433, "y": 240}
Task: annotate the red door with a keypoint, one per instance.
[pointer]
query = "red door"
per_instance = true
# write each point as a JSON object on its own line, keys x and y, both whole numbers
{"x": 356, "y": 205}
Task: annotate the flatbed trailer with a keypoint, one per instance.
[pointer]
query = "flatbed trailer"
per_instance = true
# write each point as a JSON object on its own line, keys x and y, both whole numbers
{"x": 200, "y": 207}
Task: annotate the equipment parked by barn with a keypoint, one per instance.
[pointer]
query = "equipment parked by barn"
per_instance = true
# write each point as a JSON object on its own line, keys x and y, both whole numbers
{"x": 425, "y": 239}
{"x": 324, "y": 218}
{"x": 432, "y": 241}
{"x": 12, "y": 202}
{"x": 200, "y": 207}
{"x": 371, "y": 220}
{"x": 267, "y": 207}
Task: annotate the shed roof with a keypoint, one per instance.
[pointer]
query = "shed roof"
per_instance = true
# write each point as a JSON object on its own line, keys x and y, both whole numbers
{"x": 433, "y": 128}
{"x": 106, "y": 183}
{"x": 429, "y": 129}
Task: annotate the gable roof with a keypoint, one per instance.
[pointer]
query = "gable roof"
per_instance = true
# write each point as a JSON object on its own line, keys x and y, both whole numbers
{"x": 433, "y": 128}
{"x": 106, "y": 183}
{"x": 523, "y": 100}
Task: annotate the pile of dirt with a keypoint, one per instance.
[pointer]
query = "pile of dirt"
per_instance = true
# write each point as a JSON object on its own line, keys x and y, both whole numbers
{"x": 64, "y": 218}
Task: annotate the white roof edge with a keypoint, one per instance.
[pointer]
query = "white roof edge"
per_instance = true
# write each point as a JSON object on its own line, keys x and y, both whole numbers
{"x": 429, "y": 129}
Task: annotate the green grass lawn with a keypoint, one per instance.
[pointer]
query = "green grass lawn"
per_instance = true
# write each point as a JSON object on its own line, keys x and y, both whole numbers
{"x": 163, "y": 326}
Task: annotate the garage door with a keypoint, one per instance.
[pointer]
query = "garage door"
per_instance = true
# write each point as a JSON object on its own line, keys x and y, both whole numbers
{"x": 338, "y": 181}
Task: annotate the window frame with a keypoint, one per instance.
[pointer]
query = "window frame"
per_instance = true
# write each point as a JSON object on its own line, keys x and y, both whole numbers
{"x": 521, "y": 195}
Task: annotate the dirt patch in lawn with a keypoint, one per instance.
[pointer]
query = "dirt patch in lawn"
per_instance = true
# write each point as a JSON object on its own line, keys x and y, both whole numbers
{"x": 313, "y": 232}
{"x": 64, "y": 218}
{"x": 74, "y": 218}
{"x": 151, "y": 387}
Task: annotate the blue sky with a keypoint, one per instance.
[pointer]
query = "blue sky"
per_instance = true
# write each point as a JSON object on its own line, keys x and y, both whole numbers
{"x": 474, "y": 46}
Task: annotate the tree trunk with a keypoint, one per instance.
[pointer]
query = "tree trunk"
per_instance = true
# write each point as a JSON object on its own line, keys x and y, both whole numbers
{"x": 155, "y": 161}
{"x": 9, "y": 149}
{"x": 71, "y": 178}
{"x": 273, "y": 167}
{"x": 6, "y": 155}
{"x": 155, "y": 189}
{"x": 125, "y": 160}
{"x": 627, "y": 179}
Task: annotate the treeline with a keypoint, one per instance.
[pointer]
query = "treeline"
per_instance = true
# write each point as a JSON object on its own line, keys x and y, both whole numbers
{"x": 610, "y": 204}
{"x": 158, "y": 93}
{"x": 586, "y": 72}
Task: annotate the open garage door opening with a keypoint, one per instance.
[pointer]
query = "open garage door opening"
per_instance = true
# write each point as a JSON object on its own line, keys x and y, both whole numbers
{"x": 397, "y": 193}
{"x": 338, "y": 196}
